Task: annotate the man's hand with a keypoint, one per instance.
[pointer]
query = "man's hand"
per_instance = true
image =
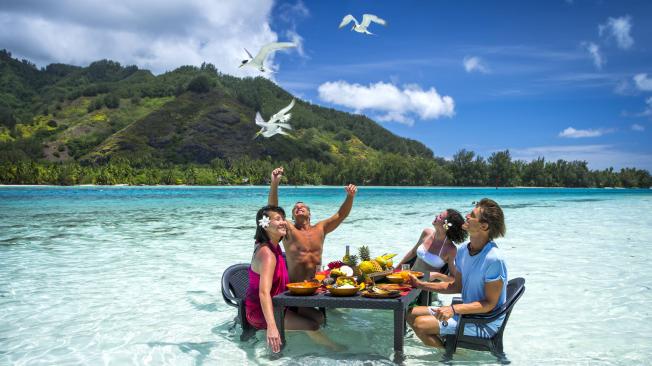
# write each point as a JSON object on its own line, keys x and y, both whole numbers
{"x": 443, "y": 313}
{"x": 277, "y": 174}
{"x": 351, "y": 190}
{"x": 414, "y": 282}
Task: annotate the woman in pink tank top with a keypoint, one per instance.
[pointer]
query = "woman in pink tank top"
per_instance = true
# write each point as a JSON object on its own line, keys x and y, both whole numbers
{"x": 268, "y": 277}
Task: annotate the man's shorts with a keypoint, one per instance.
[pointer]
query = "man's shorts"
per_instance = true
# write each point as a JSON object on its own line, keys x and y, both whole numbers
{"x": 470, "y": 329}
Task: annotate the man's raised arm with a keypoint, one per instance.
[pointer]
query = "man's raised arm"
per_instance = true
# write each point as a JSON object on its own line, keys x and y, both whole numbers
{"x": 277, "y": 174}
{"x": 334, "y": 221}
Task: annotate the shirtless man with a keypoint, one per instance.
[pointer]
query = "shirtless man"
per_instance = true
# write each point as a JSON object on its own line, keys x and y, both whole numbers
{"x": 304, "y": 242}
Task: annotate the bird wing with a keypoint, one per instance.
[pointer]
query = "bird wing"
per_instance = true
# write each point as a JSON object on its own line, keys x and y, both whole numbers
{"x": 271, "y": 47}
{"x": 286, "y": 109}
{"x": 368, "y": 18}
{"x": 266, "y": 125}
{"x": 283, "y": 125}
{"x": 347, "y": 19}
{"x": 269, "y": 133}
{"x": 259, "y": 118}
{"x": 283, "y": 118}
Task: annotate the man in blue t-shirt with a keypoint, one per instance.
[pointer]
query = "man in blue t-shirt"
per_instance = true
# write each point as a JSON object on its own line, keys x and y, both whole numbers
{"x": 480, "y": 276}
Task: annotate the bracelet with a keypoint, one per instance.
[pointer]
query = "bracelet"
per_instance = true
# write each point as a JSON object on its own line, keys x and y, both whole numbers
{"x": 453, "y": 308}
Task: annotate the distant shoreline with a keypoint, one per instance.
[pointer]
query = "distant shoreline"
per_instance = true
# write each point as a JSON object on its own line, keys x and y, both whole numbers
{"x": 294, "y": 186}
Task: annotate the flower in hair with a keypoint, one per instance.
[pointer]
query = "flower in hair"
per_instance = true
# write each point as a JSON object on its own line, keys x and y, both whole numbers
{"x": 264, "y": 222}
{"x": 447, "y": 225}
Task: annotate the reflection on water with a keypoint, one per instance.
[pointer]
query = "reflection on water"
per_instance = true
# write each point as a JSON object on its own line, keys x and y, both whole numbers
{"x": 131, "y": 275}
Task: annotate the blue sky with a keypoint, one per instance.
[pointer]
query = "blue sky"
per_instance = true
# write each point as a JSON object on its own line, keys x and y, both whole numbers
{"x": 556, "y": 78}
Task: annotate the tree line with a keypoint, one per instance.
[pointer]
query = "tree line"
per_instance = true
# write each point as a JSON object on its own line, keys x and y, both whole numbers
{"x": 465, "y": 169}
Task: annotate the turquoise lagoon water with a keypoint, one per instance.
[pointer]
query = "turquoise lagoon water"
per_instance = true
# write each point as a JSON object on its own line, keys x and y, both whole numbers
{"x": 126, "y": 275}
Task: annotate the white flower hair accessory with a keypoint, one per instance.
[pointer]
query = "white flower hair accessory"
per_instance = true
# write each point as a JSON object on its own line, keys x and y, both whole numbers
{"x": 447, "y": 225}
{"x": 264, "y": 222}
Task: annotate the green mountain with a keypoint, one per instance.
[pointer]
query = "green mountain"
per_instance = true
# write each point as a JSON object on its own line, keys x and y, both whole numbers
{"x": 113, "y": 124}
{"x": 190, "y": 115}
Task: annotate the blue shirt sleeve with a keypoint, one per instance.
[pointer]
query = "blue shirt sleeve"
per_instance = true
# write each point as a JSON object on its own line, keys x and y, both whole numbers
{"x": 496, "y": 270}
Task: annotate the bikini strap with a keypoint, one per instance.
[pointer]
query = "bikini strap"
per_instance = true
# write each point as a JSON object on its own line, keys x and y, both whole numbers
{"x": 442, "y": 248}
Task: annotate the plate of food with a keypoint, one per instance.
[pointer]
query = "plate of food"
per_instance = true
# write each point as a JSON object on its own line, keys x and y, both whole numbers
{"x": 378, "y": 293}
{"x": 396, "y": 278}
{"x": 342, "y": 290}
{"x": 417, "y": 274}
{"x": 304, "y": 288}
{"x": 344, "y": 286}
{"x": 393, "y": 286}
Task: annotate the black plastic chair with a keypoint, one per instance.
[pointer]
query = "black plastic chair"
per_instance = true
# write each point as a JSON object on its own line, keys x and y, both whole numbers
{"x": 235, "y": 281}
{"x": 515, "y": 289}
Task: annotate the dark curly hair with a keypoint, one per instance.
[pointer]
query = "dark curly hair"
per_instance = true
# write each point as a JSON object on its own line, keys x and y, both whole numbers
{"x": 455, "y": 233}
{"x": 261, "y": 235}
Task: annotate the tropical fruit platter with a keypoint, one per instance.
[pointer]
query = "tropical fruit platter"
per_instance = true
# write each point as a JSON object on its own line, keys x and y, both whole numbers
{"x": 358, "y": 273}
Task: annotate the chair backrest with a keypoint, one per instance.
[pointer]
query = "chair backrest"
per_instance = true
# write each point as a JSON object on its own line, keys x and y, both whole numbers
{"x": 515, "y": 289}
{"x": 235, "y": 281}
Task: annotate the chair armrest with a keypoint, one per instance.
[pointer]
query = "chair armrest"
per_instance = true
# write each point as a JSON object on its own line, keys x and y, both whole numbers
{"x": 482, "y": 318}
{"x": 229, "y": 298}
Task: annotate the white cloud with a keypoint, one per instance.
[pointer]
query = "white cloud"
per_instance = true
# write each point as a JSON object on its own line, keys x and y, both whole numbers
{"x": 475, "y": 64}
{"x": 648, "y": 109}
{"x": 570, "y": 132}
{"x": 618, "y": 28}
{"x": 624, "y": 87}
{"x": 594, "y": 51}
{"x": 643, "y": 82}
{"x": 598, "y": 156}
{"x": 292, "y": 14}
{"x": 391, "y": 102}
{"x": 154, "y": 35}
{"x": 637, "y": 127}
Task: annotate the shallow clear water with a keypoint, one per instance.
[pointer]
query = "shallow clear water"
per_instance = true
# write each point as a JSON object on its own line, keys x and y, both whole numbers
{"x": 125, "y": 275}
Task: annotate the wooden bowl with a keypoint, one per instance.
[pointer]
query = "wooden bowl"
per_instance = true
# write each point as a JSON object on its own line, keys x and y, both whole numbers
{"x": 336, "y": 291}
{"x": 303, "y": 288}
{"x": 395, "y": 278}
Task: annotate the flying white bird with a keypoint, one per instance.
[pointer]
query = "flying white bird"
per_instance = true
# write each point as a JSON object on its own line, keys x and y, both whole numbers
{"x": 258, "y": 61}
{"x": 282, "y": 115}
{"x": 276, "y": 124}
{"x": 366, "y": 20}
{"x": 270, "y": 129}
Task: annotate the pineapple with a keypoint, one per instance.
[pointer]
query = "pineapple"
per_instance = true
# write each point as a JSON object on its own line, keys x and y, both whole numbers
{"x": 366, "y": 267}
{"x": 370, "y": 267}
{"x": 377, "y": 266}
{"x": 352, "y": 261}
{"x": 364, "y": 253}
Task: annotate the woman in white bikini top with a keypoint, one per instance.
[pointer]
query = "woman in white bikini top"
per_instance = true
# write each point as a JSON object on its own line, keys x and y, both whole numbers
{"x": 435, "y": 248}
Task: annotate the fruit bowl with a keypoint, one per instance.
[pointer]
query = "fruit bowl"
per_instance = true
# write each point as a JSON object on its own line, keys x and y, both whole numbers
{"x": 346, "y": 291}
{"x": 395, "y": 278}
{"x": 303, "y": 288}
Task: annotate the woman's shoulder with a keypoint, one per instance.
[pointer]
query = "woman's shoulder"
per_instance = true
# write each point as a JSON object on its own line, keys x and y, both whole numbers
{"x": 427, "y": 230}
{"x": 264, "y": 252}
